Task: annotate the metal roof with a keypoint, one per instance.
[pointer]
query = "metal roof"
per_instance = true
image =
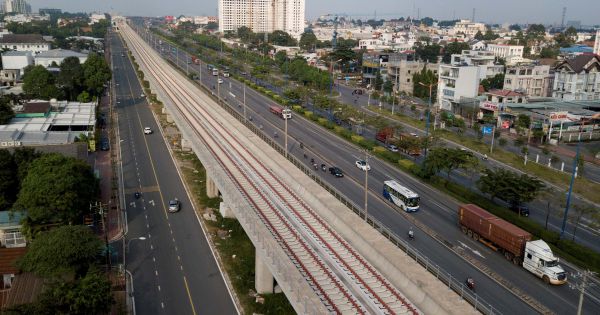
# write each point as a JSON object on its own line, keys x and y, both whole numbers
{"x": 60, "y": 53}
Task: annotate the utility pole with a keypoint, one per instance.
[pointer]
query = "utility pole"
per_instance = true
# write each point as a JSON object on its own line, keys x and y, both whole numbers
{"x": 430, "y": 86}
{"x": 584, "y": 284}
{"x": 493, "y": 136}
{"x": 286, "y": 134}
{"x": 98, "y": 207}
{"x": 366, "y": 186}
{"x": 245, "y": 103}
{"x": 573, "y": 175}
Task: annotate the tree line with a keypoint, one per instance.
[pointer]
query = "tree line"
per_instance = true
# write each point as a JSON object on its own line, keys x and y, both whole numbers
{"x": 54, "y": 193}
{"x": 75, "y": 81}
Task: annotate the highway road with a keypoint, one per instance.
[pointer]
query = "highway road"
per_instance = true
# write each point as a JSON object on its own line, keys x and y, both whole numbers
{"x": 173, "y": 269}
{"x": 438, "y": 212}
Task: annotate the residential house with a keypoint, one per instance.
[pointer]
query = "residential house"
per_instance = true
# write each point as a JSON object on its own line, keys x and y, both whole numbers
{"x": 373, "y": 63}
{"x": 468, "y": 28}
{"x": 577, "y": 78}
{"x": 97, "y": 17}
{"x": 34, "y": 43}
{"x": 402, "y": 67}
{"x": 10, "y": 229}
{"x": 57, "y": 56}
{"x": 531, "y": 79}
{"x": 9, "y": 77}
{"x": 461, "y": 78}
{"x": 17, "y": 60}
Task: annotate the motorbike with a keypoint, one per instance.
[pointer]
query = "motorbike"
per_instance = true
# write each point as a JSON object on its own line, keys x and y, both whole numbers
{"x": 315, "y": 166}
{"x": 411, "y": 235}
{"x": 137, "y": 195}
{"x": 470, "y": 283}
{"x": 323, "y": 167}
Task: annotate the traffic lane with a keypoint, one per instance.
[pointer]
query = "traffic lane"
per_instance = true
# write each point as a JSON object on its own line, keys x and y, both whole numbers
{"x": 161, "y": 250}
{"x": 431, "y": 248}
{"x": 192, "y": 247}
{"x": 439, "y": 225}
{"x": 509, "y": 265}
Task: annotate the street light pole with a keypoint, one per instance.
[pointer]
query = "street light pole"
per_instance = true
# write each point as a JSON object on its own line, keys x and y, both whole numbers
{"x": 286, "y": 135}
{"x": 366, "y": 186}
{"x": 428, "y": 114}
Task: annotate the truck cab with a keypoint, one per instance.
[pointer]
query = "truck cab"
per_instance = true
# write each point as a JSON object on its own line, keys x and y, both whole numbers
{"x": 539, "y": 260}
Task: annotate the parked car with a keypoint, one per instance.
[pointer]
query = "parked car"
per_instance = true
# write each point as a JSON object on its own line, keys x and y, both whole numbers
{"x": 220, "y": 80}
{"x": 104, "y": 146}
{"x": 147, "y": 130}
{"x": 392, "y": 148}
{"x": 521, "y": 209}
{"x": 362, "y": 165}
{"x": 174, "y": 205}
{"x": 336, "y": 171}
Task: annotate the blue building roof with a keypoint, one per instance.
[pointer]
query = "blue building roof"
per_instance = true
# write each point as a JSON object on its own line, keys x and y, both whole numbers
{"x": 576, "y": 49}
{"x": 10, "y": 219}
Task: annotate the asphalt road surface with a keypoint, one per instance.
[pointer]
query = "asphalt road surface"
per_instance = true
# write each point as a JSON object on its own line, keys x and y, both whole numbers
{"x": 174, "y": 270}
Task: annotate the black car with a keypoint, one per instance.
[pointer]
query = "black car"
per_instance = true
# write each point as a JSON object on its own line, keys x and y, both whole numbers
{"x": 104, "y": 146}
{"x": 336, "y": 171}
{"x": 521, "y": 209}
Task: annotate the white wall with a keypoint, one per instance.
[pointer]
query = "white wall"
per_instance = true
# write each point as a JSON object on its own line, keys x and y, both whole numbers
{"x": 46, "y": 61}
{"x": 17, "y": 62}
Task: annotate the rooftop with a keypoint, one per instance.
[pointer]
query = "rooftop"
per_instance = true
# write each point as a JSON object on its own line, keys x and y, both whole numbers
{"x": 60, "y": 53}
{"x": 22, "y": 39}
{"x": 8, "y": 258}
{"x": 505, "y": 93}
{"x": 65, "y": 122}
{"x": 10, "y": 219}
{"x": 16, "y": 53}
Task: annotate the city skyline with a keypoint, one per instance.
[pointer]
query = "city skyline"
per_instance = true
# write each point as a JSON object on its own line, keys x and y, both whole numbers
{"x": 511, "y": 11}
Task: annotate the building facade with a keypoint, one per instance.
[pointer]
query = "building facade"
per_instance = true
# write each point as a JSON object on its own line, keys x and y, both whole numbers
{"x": 461, "y": 78}
{"x": 597, "y": 43}
{"x": 262, "y": 15}
{"x": 17, "y": 6}
{"x": 577, "y": 78}
{"x": 469, "y": 28}
{"x": 24, "y": 42}
{"x": 402, "y": 67}
{"x": 533, "y": 80}
{"x": 505, "y": 51}
{"x": 56, "y": 56}
{"x": 17, "y": 60}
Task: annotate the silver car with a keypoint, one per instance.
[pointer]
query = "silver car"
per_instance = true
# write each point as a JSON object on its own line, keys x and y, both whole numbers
{"x": 174, "y": 205}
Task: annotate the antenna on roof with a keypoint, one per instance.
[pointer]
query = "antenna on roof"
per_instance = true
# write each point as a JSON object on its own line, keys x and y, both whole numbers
{"x": 562, "y": 23}
{"x": 473, "y": 16}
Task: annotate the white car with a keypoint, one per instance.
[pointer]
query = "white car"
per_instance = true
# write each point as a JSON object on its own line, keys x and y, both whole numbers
{"x": 362, "y": 165}
{"x": 220, "y": 81}
{"x": 147, "y": 130}
{"x": 414, "y": 134}
{"x": 393, "y": 148}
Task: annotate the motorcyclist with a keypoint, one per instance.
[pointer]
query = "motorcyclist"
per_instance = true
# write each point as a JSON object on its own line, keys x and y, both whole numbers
{"x": 312, "y": 161}
{"x": 411, "y": 234}
{"x": 470, "y": 283}
{"x": 136, "y": 195}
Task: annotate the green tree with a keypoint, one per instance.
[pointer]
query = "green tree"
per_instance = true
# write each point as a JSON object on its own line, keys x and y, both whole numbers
{"x": 65, "y": 250}
{"x": 39, "y": 83}
{"x": 308, "y": 41}
{"x": 427, "y": 78}
{"x": 428, "y": 53}
{"x": 454, "y": 48}
{"x": 9, "y": 181}
{"x": 70, "y": 77}
{"x": 479, "y": 35}
{"x": 24, "y": 156}
{"x": 388, "y": 87}
{"x": 84, "y": 97}
{"x": 493, "y": 83}
{"x": 281, "y": 38}
{"x": 523, "y": 121}
{"x": 6, "y": 112}
{"x": 509, "y": 186}
{"x": 95, "y": 73}
{"x": 536, "y": 32}
{"x": 88, "y": 295}
{"x": 378, "y": 82}
{"x": 514, "y": 27}
{"x": 57, "y": 189}
{"x": 448, "y": 159}
{"x": 211, "y": 26}
{"x": 566, "y": 38}
{"x": 549, "y": 52}
{"x": 490, "y": 35}
{"x": 245, "y": 34}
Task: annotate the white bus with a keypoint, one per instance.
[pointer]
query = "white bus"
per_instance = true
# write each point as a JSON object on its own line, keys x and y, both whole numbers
{"x": 401, "y": 196}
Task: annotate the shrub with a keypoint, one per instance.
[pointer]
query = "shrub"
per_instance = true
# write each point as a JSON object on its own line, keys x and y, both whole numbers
{"x": 357, "y": 138}
{"x": 379, "y": 149}
{"x": 322, "y": 121}
{"x": 502, "y": 142}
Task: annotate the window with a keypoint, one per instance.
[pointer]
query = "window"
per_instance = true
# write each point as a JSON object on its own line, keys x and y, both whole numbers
{"x": 529, "y": 256}
{"x": 407, "y": 80}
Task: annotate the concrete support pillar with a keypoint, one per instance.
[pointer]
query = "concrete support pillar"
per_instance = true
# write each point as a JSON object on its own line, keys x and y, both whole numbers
{"x": 263, "y": 278}
{"x": 211, "y": 188}
{"x": 226, "y": 211}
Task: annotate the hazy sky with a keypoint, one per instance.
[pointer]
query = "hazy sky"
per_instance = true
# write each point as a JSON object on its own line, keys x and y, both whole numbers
{"x": 497, "y": 11}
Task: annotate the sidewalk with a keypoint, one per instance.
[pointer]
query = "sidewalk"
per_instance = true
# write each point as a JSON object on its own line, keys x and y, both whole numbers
{"x": 104, "y": 167}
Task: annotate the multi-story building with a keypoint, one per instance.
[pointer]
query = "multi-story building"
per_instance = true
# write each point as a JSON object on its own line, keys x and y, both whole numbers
{"x": 373, "y": 63}
{"x": 262, "y": 15}
{"x": 505, "y": 51}
{"x": 578, "y": 78}
{"x": 17, "y": 6}
{"x": 461, "y": 78}
{"x": 597, "y": 43}
{"x": 34, "y": 43}
{"x": 17, "y": 60}
{"x": 402, "y": 67}
{"x": 469, "y": 28}
{"x": 533, "y": 80}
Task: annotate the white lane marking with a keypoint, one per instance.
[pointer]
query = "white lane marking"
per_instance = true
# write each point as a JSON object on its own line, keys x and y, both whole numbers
{"x": 476, "y": 252}
{"x": 156, "y": 272}
{"x": 162, "y": 304}
{"x": 132, "y": 204}
{"x": 159, "y": 288}
{"x": 151, "y": 247}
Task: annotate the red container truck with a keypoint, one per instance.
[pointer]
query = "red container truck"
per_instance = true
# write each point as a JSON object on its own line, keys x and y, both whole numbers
{"x": 513, "y": 242}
